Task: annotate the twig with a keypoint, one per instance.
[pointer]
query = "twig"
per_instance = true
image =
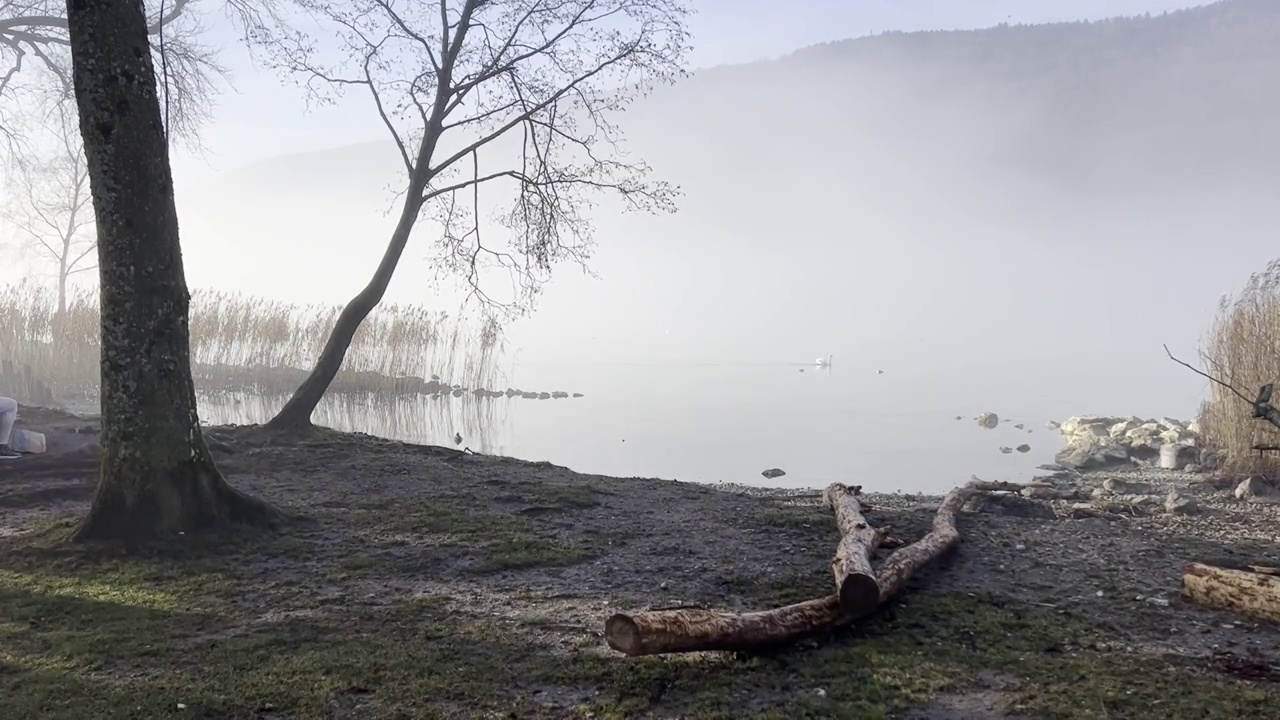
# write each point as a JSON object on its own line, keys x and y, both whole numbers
{"x": 1262, "y": 408}
{"x": 1202, "y": 373}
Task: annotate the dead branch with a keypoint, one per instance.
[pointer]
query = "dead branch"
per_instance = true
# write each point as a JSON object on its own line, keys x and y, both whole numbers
{"x": 1262, "y": 408}
{"x": 905, "y": 561}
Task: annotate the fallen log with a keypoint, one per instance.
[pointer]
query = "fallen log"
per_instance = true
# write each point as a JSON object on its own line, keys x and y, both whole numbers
{"x": 856, "y": 583}
{"x": 905, "y": 561}
{"x": 1252, "y": 593}
{"x": 690, "y": 629}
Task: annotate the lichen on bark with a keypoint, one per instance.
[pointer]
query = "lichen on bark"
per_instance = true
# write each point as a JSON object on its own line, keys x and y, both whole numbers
{"x": 157, "y": 477}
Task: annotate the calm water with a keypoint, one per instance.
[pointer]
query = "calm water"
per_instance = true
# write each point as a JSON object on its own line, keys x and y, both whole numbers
{"x": 724, "y": 423}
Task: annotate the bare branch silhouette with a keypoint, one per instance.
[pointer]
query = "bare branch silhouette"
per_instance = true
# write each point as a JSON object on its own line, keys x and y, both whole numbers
{"x": 502, "y": 112}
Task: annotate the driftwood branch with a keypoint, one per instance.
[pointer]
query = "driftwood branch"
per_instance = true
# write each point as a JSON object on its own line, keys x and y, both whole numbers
{"x": 1254, "y": 593}
{"x": 856, "y": 583}
{"x": 1262, "y": 409}
{"x": 905, "y": 561}
{"x": 689, "y": 630}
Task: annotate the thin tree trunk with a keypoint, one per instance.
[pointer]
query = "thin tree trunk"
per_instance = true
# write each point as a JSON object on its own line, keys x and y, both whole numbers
{"x": 157, "y": 478}
{"x": 62, "y": 287}
{"x": 296, "y": 413}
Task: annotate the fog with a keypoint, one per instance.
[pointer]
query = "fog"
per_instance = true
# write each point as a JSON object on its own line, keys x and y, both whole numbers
{"x": 1013, "y": 219}
{"x": 959, "y": 229}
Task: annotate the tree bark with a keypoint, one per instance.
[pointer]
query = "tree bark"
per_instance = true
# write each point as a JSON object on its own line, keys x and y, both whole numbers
{"x": 1256, "y": 593}
{"x": 157, "y": 478}
{"x": 690, "y": 629}
{"x": 906, "y": 560}
{"x": 296, "y": 413}
{"x": 856, "y": 583}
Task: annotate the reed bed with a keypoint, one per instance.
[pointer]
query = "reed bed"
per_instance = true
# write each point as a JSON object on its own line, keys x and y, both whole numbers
{"x": 241, "y": 343}
{"x": 1241, "y": 348}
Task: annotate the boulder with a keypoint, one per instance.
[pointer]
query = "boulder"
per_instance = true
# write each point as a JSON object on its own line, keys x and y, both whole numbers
{"x": 1090, "y": 457}
{"x": 1255, "y": 489}
{"x": 1023, "y": 448}
{"x": 1177, "y": 456}
{"x": 988, "y": 420}
{"x": 1013, "y": 505}
{"x": 1180, "y": 505}
{"x": 1122, "y": 428}
{"x": 1125, "y": 487}
{"x": 772, "y": 473}
{"x": 27, "y": 441}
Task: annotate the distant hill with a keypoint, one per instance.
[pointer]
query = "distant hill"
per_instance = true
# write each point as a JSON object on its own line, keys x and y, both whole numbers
{"x": 1073, "y": 193}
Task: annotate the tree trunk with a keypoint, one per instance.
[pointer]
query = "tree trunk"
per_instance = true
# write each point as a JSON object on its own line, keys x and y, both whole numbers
{"x": 157, "y": 478}
{"x": 1256, "y": 594}
{"x": 296, "y": 413}
{"x": 691, "y": 629}
{"x": 62, "y": 287}
{"x": 856, "y": 583}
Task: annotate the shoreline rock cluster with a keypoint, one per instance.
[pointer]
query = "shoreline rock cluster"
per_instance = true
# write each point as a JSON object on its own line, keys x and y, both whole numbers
{"x": 1093, "y": 442}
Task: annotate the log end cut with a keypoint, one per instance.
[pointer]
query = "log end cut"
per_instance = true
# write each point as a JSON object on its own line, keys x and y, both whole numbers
{"x": 859, "y": 595}
{"x": 623, "y": 635}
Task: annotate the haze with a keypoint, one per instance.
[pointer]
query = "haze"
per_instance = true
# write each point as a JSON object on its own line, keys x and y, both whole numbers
{"x": 1015, "y": 218}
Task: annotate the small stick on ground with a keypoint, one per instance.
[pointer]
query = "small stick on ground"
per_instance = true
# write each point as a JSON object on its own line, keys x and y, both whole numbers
{"x": 1256, "y": 594}
{"x": 856, "y": 583}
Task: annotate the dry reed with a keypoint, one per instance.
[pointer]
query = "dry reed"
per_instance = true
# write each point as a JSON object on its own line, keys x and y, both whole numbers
{"x": 241, "y": 343}
{"x": 1241, "y": 349}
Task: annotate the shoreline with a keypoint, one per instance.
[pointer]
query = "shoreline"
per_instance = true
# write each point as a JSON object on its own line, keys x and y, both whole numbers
{"x": 438, "y": 582}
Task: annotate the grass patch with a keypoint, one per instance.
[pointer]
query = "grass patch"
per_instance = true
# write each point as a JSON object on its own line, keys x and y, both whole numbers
{"x": 445, "y": 530}
{"x": 576, "y": 497}
{"x": 121, "y": 638}
{"x": 796, "y": 518}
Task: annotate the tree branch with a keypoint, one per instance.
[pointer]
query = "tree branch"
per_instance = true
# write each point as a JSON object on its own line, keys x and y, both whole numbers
{"x": 1262, "y": 408}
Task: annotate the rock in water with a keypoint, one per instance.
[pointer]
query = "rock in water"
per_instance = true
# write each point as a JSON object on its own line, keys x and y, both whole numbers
{"x": 988, "y": 420}
{"x": 1005, "y": 449}
{"x": 1023, "y": 448}
{"x": 772, "y": 473}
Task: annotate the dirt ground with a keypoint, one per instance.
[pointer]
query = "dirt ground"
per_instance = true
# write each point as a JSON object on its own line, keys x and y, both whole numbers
{"x": 424, "y": 582}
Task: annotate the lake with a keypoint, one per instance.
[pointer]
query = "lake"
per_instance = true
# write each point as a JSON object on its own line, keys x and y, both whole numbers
{"x": 724, "y": 423}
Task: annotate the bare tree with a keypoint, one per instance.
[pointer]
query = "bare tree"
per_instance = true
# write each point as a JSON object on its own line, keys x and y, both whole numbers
{"x": 48, "y": 203}
{"x": 35, "y": 60}
{"x": 508, "y": 97}
{"x": 157, "y": 477}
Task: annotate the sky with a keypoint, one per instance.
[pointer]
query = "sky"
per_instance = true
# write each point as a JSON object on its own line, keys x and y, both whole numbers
{"x": 260, "y": 117}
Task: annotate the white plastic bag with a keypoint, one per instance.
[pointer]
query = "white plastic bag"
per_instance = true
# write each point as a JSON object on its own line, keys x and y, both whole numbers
{"x": 27, "y": 441}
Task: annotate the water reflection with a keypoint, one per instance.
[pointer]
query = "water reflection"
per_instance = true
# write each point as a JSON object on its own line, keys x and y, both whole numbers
{"x": 423, "y": 419}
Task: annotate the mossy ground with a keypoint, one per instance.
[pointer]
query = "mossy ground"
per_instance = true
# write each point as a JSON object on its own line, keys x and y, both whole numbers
{"x": 479, "y": 587}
